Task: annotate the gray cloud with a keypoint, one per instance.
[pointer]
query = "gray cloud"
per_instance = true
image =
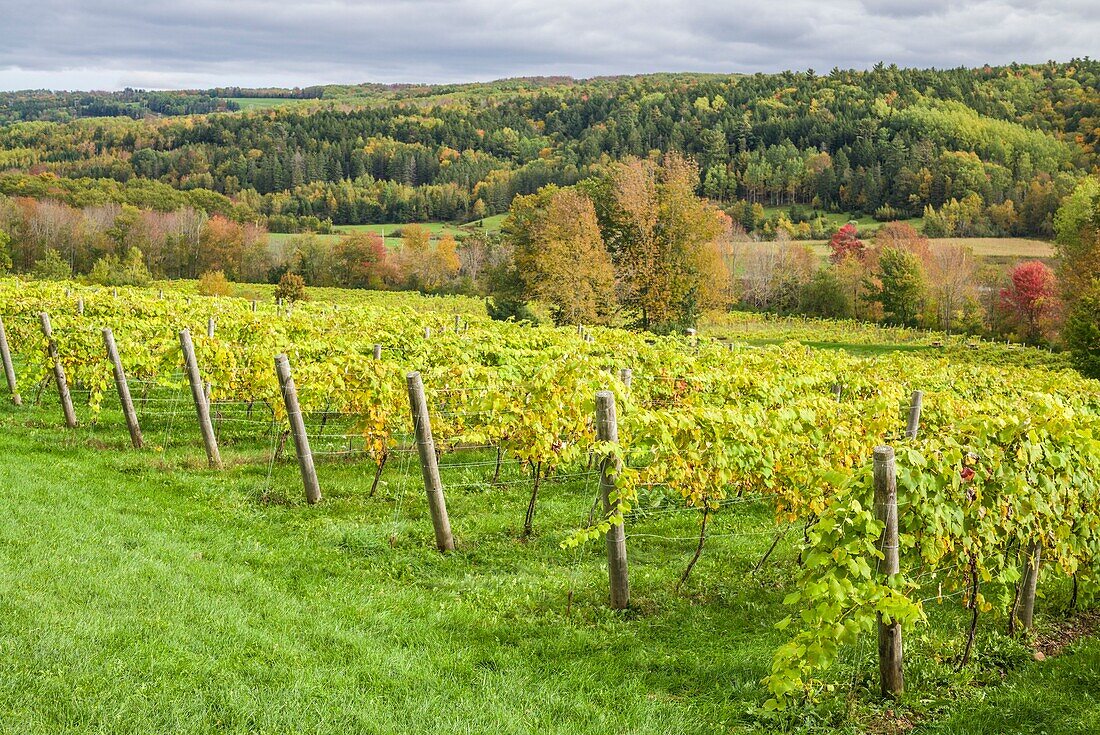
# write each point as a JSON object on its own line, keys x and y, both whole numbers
{"x": 201, "y": 43}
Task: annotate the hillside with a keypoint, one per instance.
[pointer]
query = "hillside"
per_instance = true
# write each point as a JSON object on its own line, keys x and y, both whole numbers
{"x": 887, "y": 142}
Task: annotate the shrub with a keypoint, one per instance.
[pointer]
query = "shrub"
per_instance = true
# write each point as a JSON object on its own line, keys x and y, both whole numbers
{"x": 886, "y": 213}
{"x": 1082, "y": 332}
{"x": 131, "y": 271}
{"x": 51, "y": 267}
{"x": 292, "y": 287}
{"x": 214, "y": 283}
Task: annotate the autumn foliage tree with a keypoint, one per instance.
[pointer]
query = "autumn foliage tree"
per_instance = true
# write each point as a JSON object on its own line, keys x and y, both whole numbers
{"x": 1030, "y": 301}
{"x": 663, "y": 240}
{"x": 360, "y": 260}
{"x": 846, "y": 244}
{"x": 442, "y": 264}
{"x": 560, "y": 255}
{"x": 1078, "y": 226}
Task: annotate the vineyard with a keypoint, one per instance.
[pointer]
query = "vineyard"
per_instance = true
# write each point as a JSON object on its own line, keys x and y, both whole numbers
{"x": 623, "y": 483}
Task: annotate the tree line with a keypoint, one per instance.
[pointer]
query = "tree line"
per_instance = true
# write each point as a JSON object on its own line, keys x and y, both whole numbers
{"x": 978, "y": 151}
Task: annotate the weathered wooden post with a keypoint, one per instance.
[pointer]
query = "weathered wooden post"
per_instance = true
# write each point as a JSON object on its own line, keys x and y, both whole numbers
{"x": 427, "y": 332}
{"x": 914, "y": 415}
{"x": 80, "y": 306}
{"x": 429, "y": 466}
{"x": 458, "y": 323}
{"x": 1028, "y": 584}
{"x": 253, "y": 306}
{"x": 891, "y": 679}
{"x": 202, "y": 409}
{"x": 627, "y": 376}
{"x": 9, "y": 368}
{"x": 378, "y": 352}
{"x": 607, "y": 430}
{"x": 298, "y": 429}
{"x": 58, "y": 372}
{"x": 123, "y": 390}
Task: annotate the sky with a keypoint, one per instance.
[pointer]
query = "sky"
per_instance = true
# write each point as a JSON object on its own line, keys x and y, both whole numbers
{"x": 176, "y": 44}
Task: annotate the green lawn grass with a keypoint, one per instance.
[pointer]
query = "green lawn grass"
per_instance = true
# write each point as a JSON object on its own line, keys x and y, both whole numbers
{"x": 437, "y": 229}
{"x": 864, "y": 222}
{"x": 263, "y": 103}
{"x": 489, "y": 224}
{"x": 144, "y": 592}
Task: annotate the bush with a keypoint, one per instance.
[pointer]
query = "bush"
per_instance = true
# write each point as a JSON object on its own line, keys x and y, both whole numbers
{"x": 110, "y": 271}
{"x": 886, "y": 213}
{"x": 51, "y": 268}
{"x": 214, "y": 283}
{"x": 292, "y": 287}
{"x": 1082, "y": 332}
{"x": 825, "y": 296}
{"x": 5, "y": 253}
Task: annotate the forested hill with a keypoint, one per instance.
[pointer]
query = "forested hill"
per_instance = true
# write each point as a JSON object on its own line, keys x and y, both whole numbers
{"x": 993, "y": 150}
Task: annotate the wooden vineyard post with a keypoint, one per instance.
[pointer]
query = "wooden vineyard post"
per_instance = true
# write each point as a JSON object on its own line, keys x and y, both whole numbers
{"x": 913, "y": 426}
{"x": 427, "y": 332}
{"x": 9, "y": 368}
{"x": 607, "y": 430}
{"x": 1026, "y": 608}
{"x": 458, "y": 323}
{"x": 627, "y": 376}
{"x": 891, "y": 680}
{"x": 58, "y": 372}
{"x": 298, "y": 429}
{"x": 378, "y": 352}
{"x": 253, "y": 306}
{"x": 202, "y": 409}
{"x": 123, "y": 389}
{"x": 429, "y": 466}
{"x": 80, "y": 306}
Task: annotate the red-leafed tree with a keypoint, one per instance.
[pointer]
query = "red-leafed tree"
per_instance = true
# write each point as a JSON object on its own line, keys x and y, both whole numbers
{"x": 362, "y": 261}
{"x": 846, "y": 243}
{"x": 1030, "y": 301}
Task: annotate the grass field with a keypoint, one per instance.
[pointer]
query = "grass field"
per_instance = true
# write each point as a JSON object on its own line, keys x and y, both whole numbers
{"x": 863, "y": 222}
{"x": 437, "y": 229}
{"x": 988, "y": 248}
{"x": 146, "y": 593}
{"x": 249, "y": 104}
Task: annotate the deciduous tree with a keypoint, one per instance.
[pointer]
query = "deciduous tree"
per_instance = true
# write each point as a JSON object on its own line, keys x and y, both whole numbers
{"x": 1031, "y": 299}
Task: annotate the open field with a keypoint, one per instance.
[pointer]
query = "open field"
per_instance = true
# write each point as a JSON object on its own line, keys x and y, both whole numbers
{"x": 864, "y": 222}
{"x": 437, "y": 229}
{"x": 990, "y": 248}
{"x": 249, "y": 104}
{"x": 389, "y": 231}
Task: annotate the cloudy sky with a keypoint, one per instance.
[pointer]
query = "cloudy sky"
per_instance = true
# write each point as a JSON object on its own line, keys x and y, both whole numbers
{"x": 110, "y": 44}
